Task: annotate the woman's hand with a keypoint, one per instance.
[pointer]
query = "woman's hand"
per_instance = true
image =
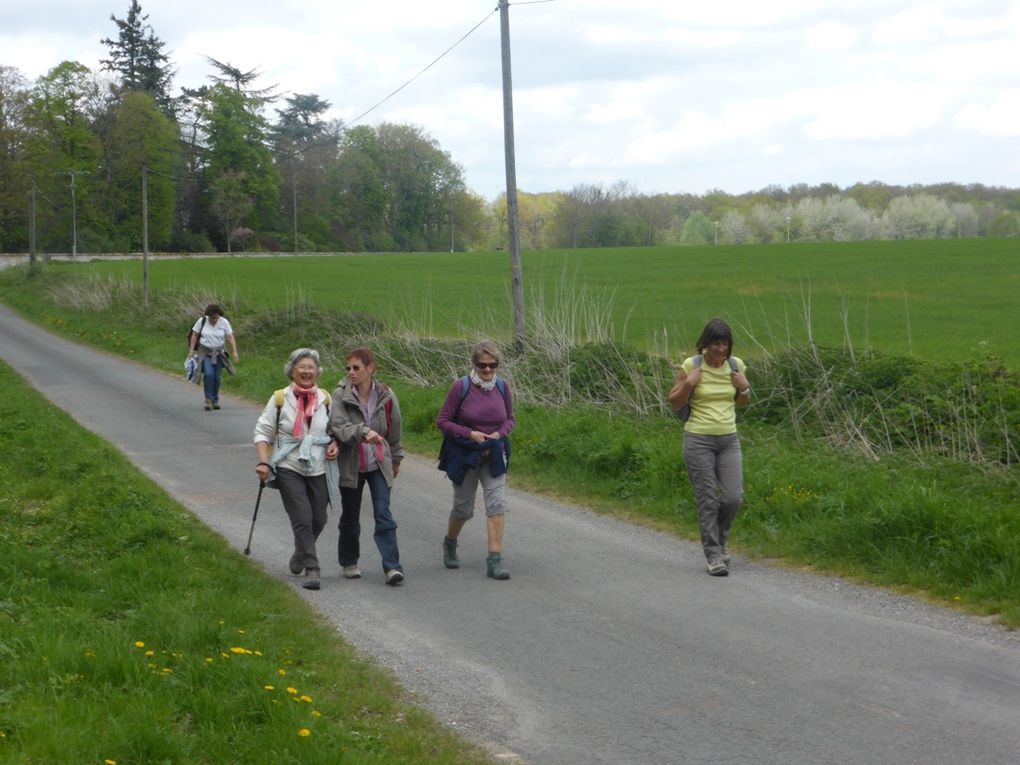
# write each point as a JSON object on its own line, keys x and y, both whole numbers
{"x": 478, "y": 437}
{"x": 396, "y": 469}
{"x": 739, "y": 381}
{"x": 694, "y": 377}
{"x": 371, "y": 437}
{"x": 332, "y": 451}
{"x": 263, "y": 471}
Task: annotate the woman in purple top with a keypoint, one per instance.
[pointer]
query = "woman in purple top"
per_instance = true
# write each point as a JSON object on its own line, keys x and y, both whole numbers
{"x": 476, "y": 419}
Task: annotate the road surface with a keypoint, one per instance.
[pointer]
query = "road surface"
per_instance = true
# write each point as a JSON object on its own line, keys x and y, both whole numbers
{"x": 610, "y": 644}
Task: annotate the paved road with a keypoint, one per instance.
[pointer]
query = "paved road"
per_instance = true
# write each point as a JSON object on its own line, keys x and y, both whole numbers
{"x": 610, "y": 644}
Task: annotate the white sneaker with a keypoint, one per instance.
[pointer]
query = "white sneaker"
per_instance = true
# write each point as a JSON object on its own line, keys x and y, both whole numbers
{"x": 352, "y": 572}
{"x": 394, "y": 577}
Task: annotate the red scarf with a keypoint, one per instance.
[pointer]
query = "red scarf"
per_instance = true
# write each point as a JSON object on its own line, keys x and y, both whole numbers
{"x": 305, "y": 408}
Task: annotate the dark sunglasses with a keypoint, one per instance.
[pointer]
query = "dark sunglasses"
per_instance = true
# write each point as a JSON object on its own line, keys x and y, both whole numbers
{"x": 484, "y": 365}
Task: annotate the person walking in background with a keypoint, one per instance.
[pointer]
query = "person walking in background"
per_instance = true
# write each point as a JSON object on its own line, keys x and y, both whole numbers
{"x": 714, "y": 384}
{"x": 476, "y": 419}
{"x": 366, "y": 422}
{"x": 298, "y": 455}
{"x": 209, "y": 338}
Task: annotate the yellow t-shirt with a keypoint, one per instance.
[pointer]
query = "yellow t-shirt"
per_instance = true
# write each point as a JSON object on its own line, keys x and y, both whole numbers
{"x": 713, "y": 412}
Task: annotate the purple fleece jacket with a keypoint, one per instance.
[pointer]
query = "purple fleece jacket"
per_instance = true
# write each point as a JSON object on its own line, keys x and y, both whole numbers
{"x": 484, "y": 411}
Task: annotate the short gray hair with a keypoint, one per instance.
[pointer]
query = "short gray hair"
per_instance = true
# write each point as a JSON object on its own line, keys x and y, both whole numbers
{"x": 296, "y": 356}
{"x": 485, "y": 348}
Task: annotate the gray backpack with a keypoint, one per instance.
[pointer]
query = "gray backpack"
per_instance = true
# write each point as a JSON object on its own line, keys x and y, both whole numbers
{"x": 684, "y": 413}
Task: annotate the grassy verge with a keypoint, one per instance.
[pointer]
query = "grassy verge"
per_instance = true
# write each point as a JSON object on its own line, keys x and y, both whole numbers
{"x": 946, "y": 529}
{"x": 130, "y": 633}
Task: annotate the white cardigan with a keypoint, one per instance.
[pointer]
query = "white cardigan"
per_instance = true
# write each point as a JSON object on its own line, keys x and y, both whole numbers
{"x": 265, "y": 430}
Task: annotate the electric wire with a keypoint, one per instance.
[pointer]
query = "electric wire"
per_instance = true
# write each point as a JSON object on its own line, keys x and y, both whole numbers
{"x": 436, "y": 60}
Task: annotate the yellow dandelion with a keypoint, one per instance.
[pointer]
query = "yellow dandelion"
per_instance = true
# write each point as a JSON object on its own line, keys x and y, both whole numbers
{"x": 316, "y": 713}
{"x": 109, "y": 762}
{"x": 149, "y": 653}
{"x": 304, "y": 733}
{"x": 258, "y": 653}
{"x": 291, "y": 689}
{"x": 208, "y": 660}
{"x": 225, "y": 655}
{"x": 269, "y": 687}
{"x": 307, "y": 699}
{"x": 167, "y": 671}
{"x": 239, "y": 649}
{"x": 139, "y": 644}
{"x": 240, "y": 632}
{"x": 281, "y": 672}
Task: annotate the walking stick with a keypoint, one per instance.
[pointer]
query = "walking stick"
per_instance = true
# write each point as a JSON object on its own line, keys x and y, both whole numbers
{"x": 247, "y": 547}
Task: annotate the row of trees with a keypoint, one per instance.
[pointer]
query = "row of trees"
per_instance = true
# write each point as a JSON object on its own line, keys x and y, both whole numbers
{"x": 220, "y": 173}
{"x": 233, "y": 164}
{"x": 594, "y": 216}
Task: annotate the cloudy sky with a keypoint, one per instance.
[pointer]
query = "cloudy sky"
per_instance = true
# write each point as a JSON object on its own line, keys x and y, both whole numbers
{"x": 666, "y": 95}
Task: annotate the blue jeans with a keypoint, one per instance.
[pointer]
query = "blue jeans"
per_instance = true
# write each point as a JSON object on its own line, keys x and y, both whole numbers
{"x": 385, "y": 527}
{"x": 212, "y": 373}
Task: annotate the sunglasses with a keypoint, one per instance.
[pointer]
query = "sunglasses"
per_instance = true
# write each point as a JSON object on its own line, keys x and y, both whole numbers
{"x": 484, "y": 365}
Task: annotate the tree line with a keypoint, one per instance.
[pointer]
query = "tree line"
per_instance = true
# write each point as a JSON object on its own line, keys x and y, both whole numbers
{"x": 232, "y": 164}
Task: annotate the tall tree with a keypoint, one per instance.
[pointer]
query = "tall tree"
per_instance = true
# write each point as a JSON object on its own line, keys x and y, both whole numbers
{"x": 15, "y": 185}
{"x": 137, "y": 56}
{"x": 304, "y": 146}
{"x": 142, "y": 137}
{"x": 65, "y": 153}
{"x": 237, "y": 156}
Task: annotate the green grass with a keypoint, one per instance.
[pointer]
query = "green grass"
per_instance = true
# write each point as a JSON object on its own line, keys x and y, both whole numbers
{"x": 932, "y": 299}
{"x": 130, "y": 633}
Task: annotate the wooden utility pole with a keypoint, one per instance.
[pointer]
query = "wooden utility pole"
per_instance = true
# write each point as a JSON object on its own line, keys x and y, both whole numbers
{"x": 516, "y": 279}
{"x": 31, "y": 229}
{"x": 145, "y": 236}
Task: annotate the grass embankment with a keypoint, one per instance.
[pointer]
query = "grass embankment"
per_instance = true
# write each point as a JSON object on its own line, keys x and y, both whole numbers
{"x": 130, "y": 633}
{"x": 946, "y": 299}
{"x": 944, "y": 528}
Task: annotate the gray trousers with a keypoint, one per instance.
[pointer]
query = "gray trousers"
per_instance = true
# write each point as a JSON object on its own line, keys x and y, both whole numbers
{"x": 714, "y": 464}
{"x": 305, "y": 499}
{"x": 494, "y": 492}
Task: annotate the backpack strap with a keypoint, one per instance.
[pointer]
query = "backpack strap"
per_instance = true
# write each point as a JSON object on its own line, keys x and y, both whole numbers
{"x": 389, "y": 414}
{"x": 733, "y": 364}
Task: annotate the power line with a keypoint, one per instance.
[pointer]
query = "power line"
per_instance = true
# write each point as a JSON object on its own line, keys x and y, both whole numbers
{"x": 441, "y": 55}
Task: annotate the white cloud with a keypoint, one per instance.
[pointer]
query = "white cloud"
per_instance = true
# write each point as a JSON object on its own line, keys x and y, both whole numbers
{"x": 1000, "y": 118}
{"x": 670, "y": 96}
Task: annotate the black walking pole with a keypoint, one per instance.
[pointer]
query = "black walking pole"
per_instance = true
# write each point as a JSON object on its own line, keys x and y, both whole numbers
{"x": 247, "y": 547}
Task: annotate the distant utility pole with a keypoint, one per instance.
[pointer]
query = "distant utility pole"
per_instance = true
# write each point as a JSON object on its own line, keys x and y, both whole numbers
{"x": 516, "y": 280}
{"x": 31, "y": 229}
{"x": 74, "y": 209}
{"x": 145, "y": 236}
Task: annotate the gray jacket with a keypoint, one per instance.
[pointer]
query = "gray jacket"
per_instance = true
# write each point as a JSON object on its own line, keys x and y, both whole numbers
{"x": 347, "y": 425}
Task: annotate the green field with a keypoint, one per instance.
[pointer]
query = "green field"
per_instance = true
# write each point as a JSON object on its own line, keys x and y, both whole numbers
{"x": 934, "y": 300}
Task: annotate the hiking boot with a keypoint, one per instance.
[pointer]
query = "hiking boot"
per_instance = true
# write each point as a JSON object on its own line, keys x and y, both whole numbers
{"x": 394, "y": 577}
{"x": 208, "y": 405}
{"x": 215, "y": 404}
{"x": 494, "y": 567}
{"x": 718, "y": 567}
{"x": 294, "y": 564}
{"x": 450, "y": 559}
{"x": 352, "y": 572}
{"x": 311, "y": 579}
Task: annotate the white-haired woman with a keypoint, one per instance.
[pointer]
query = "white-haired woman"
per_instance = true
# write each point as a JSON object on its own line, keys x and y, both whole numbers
{"x": 476, "y": 419}
{"x": 297, "y": 452}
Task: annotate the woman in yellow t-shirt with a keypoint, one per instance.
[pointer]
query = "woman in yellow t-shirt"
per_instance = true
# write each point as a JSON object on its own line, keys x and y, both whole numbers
{"x": 714, "y": 384}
